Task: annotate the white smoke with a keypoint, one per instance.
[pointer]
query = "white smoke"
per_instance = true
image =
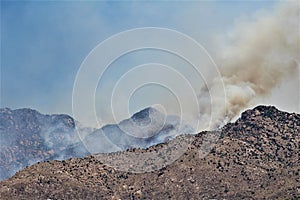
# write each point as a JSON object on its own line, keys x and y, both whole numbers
{"x": 263, "y": 53}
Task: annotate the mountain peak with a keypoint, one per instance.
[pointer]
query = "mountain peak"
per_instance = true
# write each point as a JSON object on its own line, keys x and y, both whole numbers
{"x": 144, "y": 114}
{"x": 263, "y": 111}
{"x": 255, "y": 157}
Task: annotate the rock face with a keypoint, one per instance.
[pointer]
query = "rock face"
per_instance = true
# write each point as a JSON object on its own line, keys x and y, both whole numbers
{"x": 257, "y": 157}
{"x": 145, "y": 128}
{"x": 27, "y": 136}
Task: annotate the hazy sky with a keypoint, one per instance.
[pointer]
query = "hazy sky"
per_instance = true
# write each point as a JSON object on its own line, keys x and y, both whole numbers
{"x": 44, "y": 43}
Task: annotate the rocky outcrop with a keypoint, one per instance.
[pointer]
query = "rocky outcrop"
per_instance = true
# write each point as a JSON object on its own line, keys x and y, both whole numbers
{"x": 145, "y": 128}
{"x": 256, "y": 157}
{"x": 27, "y": 137}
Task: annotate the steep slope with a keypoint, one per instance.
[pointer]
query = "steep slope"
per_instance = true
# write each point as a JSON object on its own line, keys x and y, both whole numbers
{"x": 27, "y": 136}
{"x": 145, "y": 128}
{"x": 256, "y": 157}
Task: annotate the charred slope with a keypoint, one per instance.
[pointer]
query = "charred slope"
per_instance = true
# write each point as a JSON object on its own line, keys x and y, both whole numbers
{"x": 256, "y": 157}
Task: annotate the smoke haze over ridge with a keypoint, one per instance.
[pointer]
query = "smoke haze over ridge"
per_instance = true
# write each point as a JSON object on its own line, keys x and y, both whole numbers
{"x": 259, "y": 55}
{"x": 243, "y": 88}
{"x": 262, "y": 54}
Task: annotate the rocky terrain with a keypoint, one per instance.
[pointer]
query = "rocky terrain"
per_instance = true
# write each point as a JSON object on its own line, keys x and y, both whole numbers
{"x": 28, "y": 137}
{"x": 145, "y": 128}
{"x": 256, "y": 157}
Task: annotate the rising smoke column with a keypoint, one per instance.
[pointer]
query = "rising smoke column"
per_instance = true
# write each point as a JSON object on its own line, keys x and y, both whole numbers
{"x": 262, "y": 54}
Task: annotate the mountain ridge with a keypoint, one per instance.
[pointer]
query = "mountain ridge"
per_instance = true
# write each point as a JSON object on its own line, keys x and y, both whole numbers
{"x": 256, "y": 157}
{"x": 28, "y": 136}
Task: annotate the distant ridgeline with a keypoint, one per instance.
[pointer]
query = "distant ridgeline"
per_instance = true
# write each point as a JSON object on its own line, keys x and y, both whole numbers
{"x": 28, "y": 137}
{"x": 255, "y": 157}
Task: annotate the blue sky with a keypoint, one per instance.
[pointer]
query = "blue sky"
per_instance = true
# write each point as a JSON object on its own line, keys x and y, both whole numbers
{"x": 44, "y": 43}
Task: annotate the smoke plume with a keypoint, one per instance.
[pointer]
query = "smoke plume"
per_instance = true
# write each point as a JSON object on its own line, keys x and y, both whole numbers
{"x": 262, "y": 54}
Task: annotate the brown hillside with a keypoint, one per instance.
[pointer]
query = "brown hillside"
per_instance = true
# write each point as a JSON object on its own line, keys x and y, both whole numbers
{"x": 256, "y": 157}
